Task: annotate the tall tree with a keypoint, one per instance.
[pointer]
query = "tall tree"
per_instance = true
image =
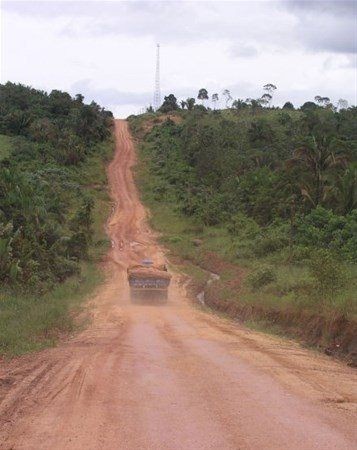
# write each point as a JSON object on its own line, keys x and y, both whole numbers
{"x": 342, "y": 104}
{"x": 346, "y": 190}
{"x": 288, "y": 105}
{"x": 319, "y": 154}
{"x": 202, "y": 95}
{"x": 190, "y": 102}
{"x": 269, "y": 89}
{"x": 215, "y": 99}
{"x": 169, "y": 104}
{"x": 255, "y": 104}
{"x": 226, "y": 93}
{"x": 322, "y": 101}
{"x": 266, "y": 99}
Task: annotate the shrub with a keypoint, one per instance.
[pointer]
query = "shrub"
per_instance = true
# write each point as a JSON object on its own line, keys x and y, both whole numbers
{"x": 275, "y": 238}
{"x": 323, "y": 228}
{"x": 211, "y": 210}
{"x": 329, "y": 274}
{"x": 174, "y": 239}
{"x": 243, "y": 226}
{"x": 299, "y": 254}
{"x": 261, "y": 276}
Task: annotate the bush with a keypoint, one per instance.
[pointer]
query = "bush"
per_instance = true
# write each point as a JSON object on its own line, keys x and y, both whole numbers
{"x": 243, "y": 226}
{"x": 174, "y": 239}
{"x": 329, "y": 274}
{"x": 211, "y": 210}
{"x": 275, "y": 238}
{"x": 268, "y": 244}
{"x": 323, "y": 228}
{"x": 261, "y": 276}
{"x": 299, "y": 254}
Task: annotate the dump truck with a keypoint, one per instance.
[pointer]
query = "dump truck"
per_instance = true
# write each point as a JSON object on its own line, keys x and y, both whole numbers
{"x": 148, "y": 281}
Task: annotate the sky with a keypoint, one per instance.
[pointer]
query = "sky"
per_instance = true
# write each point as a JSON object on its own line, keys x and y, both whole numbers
{"x": 106, "y": 50}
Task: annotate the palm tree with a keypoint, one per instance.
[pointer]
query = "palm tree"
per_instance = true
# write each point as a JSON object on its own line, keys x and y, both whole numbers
{"x": 346, "y": 190}
{"x": 190, "y": 102}
{"x": 315, "y": 159}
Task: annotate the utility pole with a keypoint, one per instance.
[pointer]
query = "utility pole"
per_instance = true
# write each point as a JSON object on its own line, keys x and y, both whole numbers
{"x": 157, "y": 93}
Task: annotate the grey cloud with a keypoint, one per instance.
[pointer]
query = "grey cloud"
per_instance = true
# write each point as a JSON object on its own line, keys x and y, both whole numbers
{"x": 321, "y": 25}
{"x": 330, "y": 36}
{"x": 339, "y": 7}
{"x": 58, "y": 8}
{"x": 333, "y": 63}
{"x": 91, "y": 8}
{"x": 325, "y": 25}
{"x": 165, "y": 21}
{"x": 244, "y": 90}
{"x": 300, "y": 96}
{"x": 243, "y": 50}
{"x": 109, "y": 96}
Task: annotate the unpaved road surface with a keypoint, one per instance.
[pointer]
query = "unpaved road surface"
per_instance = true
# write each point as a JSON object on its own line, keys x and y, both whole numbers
{"x": 170, "y": 377}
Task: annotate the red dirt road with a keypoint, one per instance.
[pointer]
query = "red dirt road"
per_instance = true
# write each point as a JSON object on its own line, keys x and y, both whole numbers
{"x": 170, "y": 377}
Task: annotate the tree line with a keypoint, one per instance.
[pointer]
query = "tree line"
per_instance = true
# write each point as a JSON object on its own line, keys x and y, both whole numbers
{"x": 171, "y": 103}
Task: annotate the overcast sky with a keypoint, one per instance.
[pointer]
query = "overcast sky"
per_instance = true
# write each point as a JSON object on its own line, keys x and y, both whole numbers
{"x": 106, "y": 50}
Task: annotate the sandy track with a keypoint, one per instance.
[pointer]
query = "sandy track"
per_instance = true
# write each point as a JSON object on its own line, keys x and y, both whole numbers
{"x": 170, "y": 377}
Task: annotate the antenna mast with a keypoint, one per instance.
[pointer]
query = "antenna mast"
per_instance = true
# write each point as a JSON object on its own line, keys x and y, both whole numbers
{"x": 157, "y": 93}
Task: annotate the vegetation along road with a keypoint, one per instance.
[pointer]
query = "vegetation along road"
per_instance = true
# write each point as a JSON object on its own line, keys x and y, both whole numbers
{"x": 173, "y": 376}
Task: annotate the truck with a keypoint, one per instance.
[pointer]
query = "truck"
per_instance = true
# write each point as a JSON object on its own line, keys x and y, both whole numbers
{"x": 148, "y": 281}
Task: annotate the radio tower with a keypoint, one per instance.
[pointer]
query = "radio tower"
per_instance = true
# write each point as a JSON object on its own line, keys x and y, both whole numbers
{"x": 157, "y": 93}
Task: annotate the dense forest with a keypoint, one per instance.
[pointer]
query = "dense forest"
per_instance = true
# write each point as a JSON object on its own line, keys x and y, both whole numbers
{"x": 45, "y": 212}
{"x": 270, "y": 189}
{"x": 284, "y": 171}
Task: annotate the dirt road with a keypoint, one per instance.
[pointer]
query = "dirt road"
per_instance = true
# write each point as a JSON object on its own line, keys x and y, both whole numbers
{"x": 170, "y": 377}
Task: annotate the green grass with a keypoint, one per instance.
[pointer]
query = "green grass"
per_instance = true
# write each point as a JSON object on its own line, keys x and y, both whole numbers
{"x": 5, "y": 146}
{"x": 30, "y": 322}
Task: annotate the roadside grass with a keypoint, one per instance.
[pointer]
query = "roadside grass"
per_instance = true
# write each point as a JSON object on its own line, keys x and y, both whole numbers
{"x": 5, "y": 146}
{"x": 29, "y": 322}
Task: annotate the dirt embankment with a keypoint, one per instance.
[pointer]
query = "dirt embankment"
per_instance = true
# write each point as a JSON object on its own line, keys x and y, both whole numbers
{"x": 170, "y": 377}
{"x": 335, "y": 336}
